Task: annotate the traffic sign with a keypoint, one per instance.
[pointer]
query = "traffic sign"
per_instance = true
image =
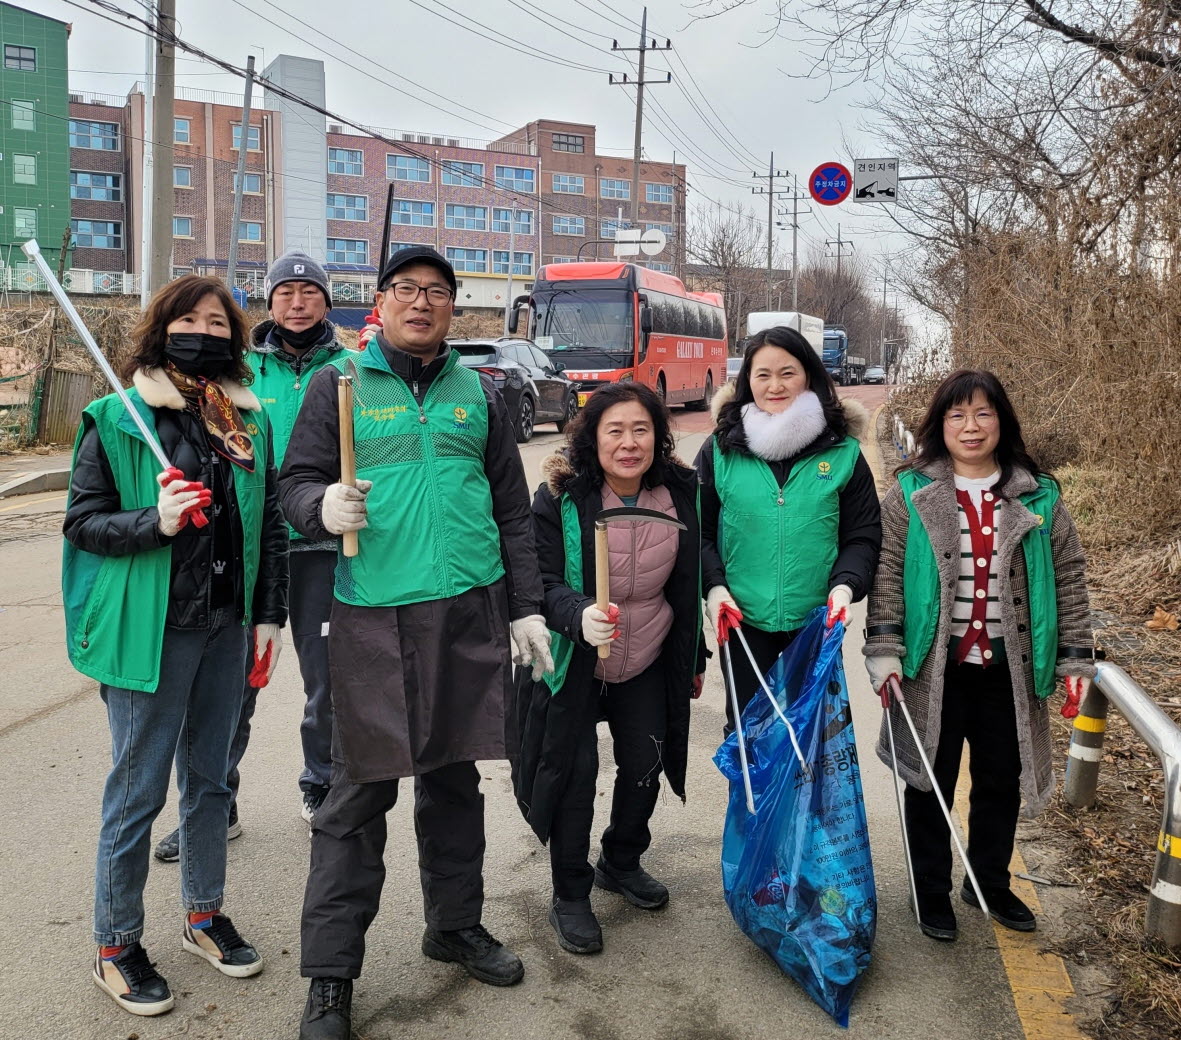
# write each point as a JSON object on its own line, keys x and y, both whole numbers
{"x": 875, "y": 180}
{"x": 830, "y": 183}
{"x": 630, "y": 241}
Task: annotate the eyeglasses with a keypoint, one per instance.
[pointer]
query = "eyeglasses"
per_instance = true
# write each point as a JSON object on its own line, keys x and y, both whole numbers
{"x": 958, "y": 420}
{"x": 407, "y": 292}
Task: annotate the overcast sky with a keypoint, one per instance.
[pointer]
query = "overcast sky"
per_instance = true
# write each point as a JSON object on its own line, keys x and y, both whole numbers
{"x": 744, "y": 76}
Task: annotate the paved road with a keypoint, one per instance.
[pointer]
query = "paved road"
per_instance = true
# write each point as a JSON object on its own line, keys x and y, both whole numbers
{"x": 682, "y": 974}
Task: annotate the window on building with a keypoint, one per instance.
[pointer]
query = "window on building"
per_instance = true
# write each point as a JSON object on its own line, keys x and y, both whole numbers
{"x": 100, "y": 136}
{"x": 348, "y": 251}
{"x": 514, "y": 178}
{"x": 182, "y": 227}
{"x": 97, "y": 234}
{"x": 253, "y": 138}
{"x": 407, "y": 168}
{"x": 522, "y": 262}
{"x": 24, "y": 223}
{"x": 24, "y": 115}
{"x": 98, "y": 187}
{"x": 348, "y": 207}
{"x": 250, "y": 231}
{"x": 466, "y": 218}
{"x": 563, "y": 260}
{"x": 569, "y": 184}
{"x": 251, "y": 185}
{"x": 469, "y": 260}
{"x": 662, "y": 193}
{"x": 348, "y": 161}
{"x": 407, "y": 211}
{"x": 655, "y": 266}
{"x": 569, "y": 143}
{"x": 21, "y": 59}
{"x": 181, "y": 131}
{"x": 609, "y": 227}
{"x": 609, "y": 188}
{"x": 24, "y": 169}
{"x": 395, "y": 246}
{"x": 463, "y": 174}
{"x": 524, "y": 221}
{"x": 666, "y": 228}
{"x": 569, "y": 225}
{"x": 182, "y": 176}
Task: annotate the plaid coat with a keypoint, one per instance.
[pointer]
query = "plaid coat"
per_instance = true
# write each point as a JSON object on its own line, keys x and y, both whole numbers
{"x": 935, "y": 505}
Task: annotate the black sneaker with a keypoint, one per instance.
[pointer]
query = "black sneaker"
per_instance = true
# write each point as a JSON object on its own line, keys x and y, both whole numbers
{"x": 328, "y": 1014}
{"x": 313, "y": 798}
{"x": 474, "y": 949}
{"x": 577, "y": 927}
{"x": 637, "y": 886}
{"x": 936, "y": 917}
{"x": 132, "y": 981}
{"x": 1004, "y": 907}
{"x": 168, "y": 849}
{"x": 222, "y": 946}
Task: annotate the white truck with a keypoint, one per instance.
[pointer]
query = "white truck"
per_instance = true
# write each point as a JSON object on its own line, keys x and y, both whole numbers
{"x": 811, "y": 328}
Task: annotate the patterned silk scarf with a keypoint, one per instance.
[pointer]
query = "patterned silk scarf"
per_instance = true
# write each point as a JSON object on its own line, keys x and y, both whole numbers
{"x": 223, "y": 422}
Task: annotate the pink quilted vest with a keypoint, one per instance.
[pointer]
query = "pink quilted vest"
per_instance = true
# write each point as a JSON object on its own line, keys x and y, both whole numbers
{"x": 642, "y": 559}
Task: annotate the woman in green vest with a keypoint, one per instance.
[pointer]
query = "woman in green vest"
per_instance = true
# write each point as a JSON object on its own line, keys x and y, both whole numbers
{"x": 979, "y": 603}
{"x": 789, "y": 509}
{"x": 174, "y": 584}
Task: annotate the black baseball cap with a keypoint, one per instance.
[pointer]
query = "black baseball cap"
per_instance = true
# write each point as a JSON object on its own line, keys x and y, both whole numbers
{"x": 416, "y": 255}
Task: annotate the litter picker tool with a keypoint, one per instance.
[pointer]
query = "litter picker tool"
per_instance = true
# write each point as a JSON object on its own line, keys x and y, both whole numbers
{"x": 727, "y": 621}
{"x": 896, "y": 693}
{"x": 345, "y": 396}
{"x": 771, "y": 697}
{"x": 33, "y": 251}
{"x": 914, "y": 894}
{"x": 602, "y": 554}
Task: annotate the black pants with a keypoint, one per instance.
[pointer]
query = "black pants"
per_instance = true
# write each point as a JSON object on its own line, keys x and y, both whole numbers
{"x": 977, "y": 707}
{"x": 766, "y": 646}
{"x": 348, "y": 868}
{"x": 637, "y": 715}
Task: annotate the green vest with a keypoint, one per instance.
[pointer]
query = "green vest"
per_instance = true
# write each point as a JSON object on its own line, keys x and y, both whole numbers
{"x": 281, "y": 393}
{"x": 431, "y": 532}
{"x": 920, "y": 583}
{"x": 115, "y": 606}
{"x": 561, "y": 646}
{"x": 778, "y": 544}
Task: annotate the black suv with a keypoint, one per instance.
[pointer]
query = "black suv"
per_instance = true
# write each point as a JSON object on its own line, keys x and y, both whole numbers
{"x": 534, "y": 385}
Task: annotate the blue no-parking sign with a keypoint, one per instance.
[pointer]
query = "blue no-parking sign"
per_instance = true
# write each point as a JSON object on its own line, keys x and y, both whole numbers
{"x": 830, "y": 183}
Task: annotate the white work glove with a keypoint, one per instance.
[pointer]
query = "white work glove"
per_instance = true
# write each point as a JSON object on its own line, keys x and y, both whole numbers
{"x": 839, "y": 601}
{"x": 531, "y": 639}
{"x": 1076, "y": 691}
{"x": 881, "y": 668}
{"x": 178, "y": 500}
{"x": 343, "y": 507}
{"x": 718, "y": 595}
{"x": 598, "y": 626}
{"x": 265, "y": 637}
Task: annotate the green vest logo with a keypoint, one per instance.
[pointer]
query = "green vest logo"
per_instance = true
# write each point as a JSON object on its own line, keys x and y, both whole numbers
{"x": 460, "y": 418}
{"x": 824, "y": 471}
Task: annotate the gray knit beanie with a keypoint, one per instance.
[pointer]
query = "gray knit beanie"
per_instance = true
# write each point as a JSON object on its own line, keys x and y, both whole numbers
{"x": 296, "y": 266}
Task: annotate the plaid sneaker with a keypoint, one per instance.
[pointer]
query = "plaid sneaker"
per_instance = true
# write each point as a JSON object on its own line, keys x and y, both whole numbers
{"x": 218, "y": 942}
{"x": 132, "y": 981}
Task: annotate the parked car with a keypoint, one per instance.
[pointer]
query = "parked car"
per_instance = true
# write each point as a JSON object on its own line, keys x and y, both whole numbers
{"x": 733, "y": 366}
{"x": 874, "y": 374}
{"x": 534, "y": 385}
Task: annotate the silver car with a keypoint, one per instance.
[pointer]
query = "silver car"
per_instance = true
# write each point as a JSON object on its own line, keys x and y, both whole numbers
{"x": 733, "y": 366}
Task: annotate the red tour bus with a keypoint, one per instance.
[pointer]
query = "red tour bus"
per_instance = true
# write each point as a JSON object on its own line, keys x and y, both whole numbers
{"x": 609, "y": 322}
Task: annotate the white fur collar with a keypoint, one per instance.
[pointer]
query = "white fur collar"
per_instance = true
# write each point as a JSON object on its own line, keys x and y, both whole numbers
{"x": 784, "y": 434}
{"x": 156, "y": 389}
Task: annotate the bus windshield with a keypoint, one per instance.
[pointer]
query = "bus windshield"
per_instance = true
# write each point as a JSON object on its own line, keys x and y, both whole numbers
{"x": 596, "y": 323}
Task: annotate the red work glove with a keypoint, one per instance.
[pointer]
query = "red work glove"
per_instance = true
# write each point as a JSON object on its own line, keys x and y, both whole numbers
{"x": 729, "y": 618}
{"x": 1076, "y": 689}
{"x": 839, "y": 600}
{"x": 698, "y": 686}
{"x": 173, "y": 482}
{"x": 373, "y": 325}
{"x": 268, "y": 641}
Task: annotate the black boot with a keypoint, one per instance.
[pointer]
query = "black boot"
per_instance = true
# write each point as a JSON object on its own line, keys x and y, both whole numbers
{"x": 329, "y": 1011}
{"x": 637, "y": 886}
{"x": 936, "y": 917}
{"x": 480, "y": 955}
{"x": 1003, "y": 906}
{"x": 577, "y": 927}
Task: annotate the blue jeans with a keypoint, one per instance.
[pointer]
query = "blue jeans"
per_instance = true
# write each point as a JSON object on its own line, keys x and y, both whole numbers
{"x": 192, "y": 717}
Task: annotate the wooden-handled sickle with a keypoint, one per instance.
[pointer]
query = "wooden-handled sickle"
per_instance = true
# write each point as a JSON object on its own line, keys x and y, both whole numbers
{"x": 348, "y": 457}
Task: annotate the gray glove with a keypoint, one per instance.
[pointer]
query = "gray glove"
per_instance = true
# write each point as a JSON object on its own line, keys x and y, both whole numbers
{"x": 881, "y": 668}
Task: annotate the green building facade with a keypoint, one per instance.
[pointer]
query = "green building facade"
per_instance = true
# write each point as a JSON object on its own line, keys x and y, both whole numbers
{"x": 34, "y": 134}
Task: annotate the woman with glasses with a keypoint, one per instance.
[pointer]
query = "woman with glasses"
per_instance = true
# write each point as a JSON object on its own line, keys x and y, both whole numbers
{"x": 979, "y": 604}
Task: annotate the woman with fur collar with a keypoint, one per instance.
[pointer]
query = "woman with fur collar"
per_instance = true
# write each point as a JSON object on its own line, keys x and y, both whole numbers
{"x": 789, "y": 509}
{"x": 174, "y": 584}
{"x": 980, "y": 600}
{"x": 620, "y": 453}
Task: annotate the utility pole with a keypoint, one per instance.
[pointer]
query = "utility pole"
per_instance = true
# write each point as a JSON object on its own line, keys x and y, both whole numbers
{"x": 243, "y": 148}
{"x": 796, "y": 199}
{"x": 145, "y": 230}
{"x": 639, "y": 83}
{"x": 882, "y": 348}
{"x": 512, "y": 244}
{"x": 840, "y": 243}
{"x": 771, "y": 193}
{"x": 163, "y": 131}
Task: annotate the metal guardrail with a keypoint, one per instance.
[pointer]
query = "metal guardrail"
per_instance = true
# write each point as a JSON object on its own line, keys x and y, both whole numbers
{"x": 1114, "y": 686}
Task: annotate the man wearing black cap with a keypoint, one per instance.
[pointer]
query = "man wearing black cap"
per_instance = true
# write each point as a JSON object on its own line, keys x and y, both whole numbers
{"x": 418, "y": 640}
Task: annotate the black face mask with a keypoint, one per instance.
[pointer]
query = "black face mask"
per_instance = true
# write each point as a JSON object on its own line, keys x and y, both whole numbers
{"x": 200, "y": 354}
{"x": 302, "y": 340}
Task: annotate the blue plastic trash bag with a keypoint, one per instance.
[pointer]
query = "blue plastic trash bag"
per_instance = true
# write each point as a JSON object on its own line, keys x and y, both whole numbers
{"x": 797, "y": 874}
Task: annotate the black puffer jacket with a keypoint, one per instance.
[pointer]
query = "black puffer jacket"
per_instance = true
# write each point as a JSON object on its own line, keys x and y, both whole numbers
{"x": 95, "y": 522}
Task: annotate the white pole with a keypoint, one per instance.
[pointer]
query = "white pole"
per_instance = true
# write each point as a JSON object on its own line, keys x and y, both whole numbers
{"x": 145, "y": 231}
